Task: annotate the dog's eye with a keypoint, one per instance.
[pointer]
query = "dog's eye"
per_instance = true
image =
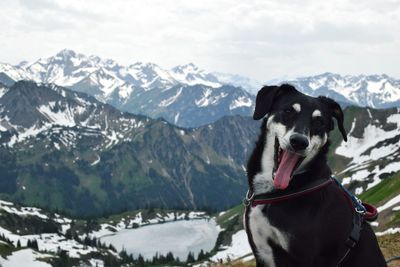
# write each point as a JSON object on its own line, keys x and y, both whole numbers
{"x": 318, "y": 123}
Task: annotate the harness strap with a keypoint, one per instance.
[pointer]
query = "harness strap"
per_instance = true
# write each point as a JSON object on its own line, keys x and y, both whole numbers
{"x": 354, "y": 236}
{"x": 279, "y": 196}
{"x": 368, "y": 211}
{"x": 361, "y": 212}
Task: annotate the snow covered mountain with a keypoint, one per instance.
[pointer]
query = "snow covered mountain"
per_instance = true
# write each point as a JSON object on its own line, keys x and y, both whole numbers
{"x": 179, "y": 94}
{"x": 190, "y": 74}
{"x": 376, "y": 91}
{"x": 189, "y": 105}
{"x": 250, "y": 85}
{"x": 193, "y": 96}
{"x": 27, "y": 109}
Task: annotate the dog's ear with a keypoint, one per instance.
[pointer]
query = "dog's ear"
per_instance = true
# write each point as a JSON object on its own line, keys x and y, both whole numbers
{"x": 337, "y": 113}
{"x": 266, "y": 97}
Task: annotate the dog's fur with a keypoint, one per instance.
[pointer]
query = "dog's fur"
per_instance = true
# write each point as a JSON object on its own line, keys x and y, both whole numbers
{"x": 309, "y": 231}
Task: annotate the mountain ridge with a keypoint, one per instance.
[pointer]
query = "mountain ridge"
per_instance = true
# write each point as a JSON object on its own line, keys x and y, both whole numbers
{"x": 137, "y": 87}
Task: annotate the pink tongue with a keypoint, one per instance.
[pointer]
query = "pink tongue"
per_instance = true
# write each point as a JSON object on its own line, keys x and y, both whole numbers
{"x": 285, "y": 169}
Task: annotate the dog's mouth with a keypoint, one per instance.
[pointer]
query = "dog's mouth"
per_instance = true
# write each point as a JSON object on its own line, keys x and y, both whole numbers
{"x": 286, "y": 162}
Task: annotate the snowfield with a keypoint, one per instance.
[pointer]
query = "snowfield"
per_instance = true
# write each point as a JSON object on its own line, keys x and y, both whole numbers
{"x": 178, "y": 237}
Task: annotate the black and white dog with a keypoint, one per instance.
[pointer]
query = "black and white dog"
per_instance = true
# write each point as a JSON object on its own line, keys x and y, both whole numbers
{"x": 290, "y": 155}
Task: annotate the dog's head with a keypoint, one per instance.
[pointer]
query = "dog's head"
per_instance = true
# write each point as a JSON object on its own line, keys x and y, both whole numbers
{"x": 299, "y": 124}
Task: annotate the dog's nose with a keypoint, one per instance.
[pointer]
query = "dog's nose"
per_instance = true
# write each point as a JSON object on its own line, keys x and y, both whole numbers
{"x": 298, "y": 142}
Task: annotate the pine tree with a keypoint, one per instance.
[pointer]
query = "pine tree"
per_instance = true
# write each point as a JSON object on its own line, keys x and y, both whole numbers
{"x": 63, "y": 259}
{"x": 35, "y": 244}
{"x": 155, "y": 258}
{"x": 124, "y": 256}
{"x": 141, "y": 260}
{"x": 201, "y": 256}
{"x": 170, "y": 257}
{"x": 190, "y": 258}
{"x": 68, "y": 234}
{"x": 111, "y": 247}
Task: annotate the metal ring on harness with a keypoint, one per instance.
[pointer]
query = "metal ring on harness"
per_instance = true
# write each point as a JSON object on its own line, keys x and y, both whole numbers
{"x": 248, "y": 198}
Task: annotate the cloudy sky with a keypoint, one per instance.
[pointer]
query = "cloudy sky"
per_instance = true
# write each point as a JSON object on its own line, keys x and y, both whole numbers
{"x": 263, "y": 39}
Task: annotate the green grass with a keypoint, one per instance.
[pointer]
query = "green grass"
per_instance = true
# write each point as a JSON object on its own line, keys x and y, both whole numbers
{"x": 224, "y": 219}
{"x": 387, "y": 189}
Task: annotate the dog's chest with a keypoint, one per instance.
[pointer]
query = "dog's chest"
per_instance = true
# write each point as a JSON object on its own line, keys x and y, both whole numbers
{"x": 262, "y": 233}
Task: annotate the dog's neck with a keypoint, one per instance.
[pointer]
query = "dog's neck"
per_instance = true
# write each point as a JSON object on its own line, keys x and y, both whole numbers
{"x": 260, "y": 166}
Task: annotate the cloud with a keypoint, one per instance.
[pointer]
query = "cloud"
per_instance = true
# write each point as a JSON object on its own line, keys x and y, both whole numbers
{"x": 260, "y": 38}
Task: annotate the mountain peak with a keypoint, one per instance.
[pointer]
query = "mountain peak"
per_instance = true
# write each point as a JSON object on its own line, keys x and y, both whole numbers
{"x": 23, "y": 64}
{"x": 190, "y": 67}
{"x": 66, "y": 53}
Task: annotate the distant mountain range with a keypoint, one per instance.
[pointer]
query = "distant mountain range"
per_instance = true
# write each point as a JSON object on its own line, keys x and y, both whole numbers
{"x": 186, "y": 95}
{"x": 376, "y": 91}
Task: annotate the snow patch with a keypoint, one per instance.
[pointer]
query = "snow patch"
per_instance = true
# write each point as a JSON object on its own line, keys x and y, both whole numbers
{"x": 242, "y": 101}
{"x": 64, "y": 118}
{"x": 25, "y": 257}
{"x": 238, "y": 248}
{"x": 172, "y": 99}
{"x": 96, "y": 161}
{"x": 358, "y": 190}
{"x": 390, "y": 203}
{"x": 388, "y": 231}
{"x": 354, "y": 147}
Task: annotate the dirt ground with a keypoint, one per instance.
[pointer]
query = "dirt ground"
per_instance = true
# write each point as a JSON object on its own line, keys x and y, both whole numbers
{"x": 390, "y": 245}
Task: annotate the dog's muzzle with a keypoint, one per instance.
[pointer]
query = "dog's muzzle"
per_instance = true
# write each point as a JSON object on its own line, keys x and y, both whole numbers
{"x": 298, "y": 142}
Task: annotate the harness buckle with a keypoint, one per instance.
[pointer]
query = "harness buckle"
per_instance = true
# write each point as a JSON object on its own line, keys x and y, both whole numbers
{"x": 248, "y": 198}
{"x": 360, "y": 209}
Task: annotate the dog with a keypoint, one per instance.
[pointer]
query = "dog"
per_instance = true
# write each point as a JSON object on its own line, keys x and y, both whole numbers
{"x": 310, "y": 230}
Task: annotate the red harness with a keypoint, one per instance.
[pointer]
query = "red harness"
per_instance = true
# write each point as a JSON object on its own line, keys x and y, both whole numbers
{"x": 277, "y": 196}
{"x": 370, "y": 213}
